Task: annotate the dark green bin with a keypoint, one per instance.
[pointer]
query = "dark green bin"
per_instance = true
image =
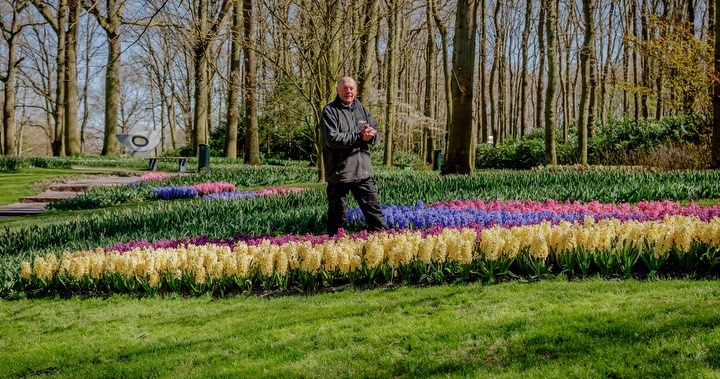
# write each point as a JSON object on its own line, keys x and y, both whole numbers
{"x": 203, "y": 156}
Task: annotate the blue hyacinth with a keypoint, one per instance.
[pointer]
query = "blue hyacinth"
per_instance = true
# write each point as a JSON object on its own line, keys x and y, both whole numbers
{"x": 175, "y": 192}
{"x": 421, "y": 217}
{"x": 229, "y": 195}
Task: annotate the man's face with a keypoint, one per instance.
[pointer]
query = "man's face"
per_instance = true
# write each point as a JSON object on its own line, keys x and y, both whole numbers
{"x": 347, "y": 91}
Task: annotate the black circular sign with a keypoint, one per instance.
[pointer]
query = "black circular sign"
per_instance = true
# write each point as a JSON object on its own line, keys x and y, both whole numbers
{"x": 140, "y": 141}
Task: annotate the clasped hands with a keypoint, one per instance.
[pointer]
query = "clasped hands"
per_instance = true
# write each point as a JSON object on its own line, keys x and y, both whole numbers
{"x": 367, "y": 132}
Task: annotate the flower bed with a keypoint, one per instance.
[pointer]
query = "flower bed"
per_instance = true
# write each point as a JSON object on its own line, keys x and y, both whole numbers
{"x": 675, "y": 244}
{"x": 143, "y": 188}
{"x": 514, "y": 213}
{"x": 528, "y": 239}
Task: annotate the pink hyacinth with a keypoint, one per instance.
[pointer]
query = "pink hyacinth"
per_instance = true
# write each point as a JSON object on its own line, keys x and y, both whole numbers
{"x": 213, "y": 187}
{"x": 153, "y": 176}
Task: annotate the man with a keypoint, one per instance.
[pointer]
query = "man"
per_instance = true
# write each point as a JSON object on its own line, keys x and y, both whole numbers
{"x": 347, "y": 130}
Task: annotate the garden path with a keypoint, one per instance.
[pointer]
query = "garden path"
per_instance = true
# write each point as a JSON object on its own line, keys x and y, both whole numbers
{"x": 35, "y": 204}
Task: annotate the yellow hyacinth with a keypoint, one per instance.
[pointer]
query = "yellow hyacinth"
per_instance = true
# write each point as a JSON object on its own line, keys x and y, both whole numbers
{"x": 440, "y": 251}
{"x": 290, "y": 250}
{"x": 25, "y": 270}
{"x": 512, "y": 242}
{"x": 425, "y": 249}
{"x": 97, "y": 266}
{"x": 64, "y": 264}
{"x": 467, "y": 247}
{"x": 229, "y": 261}
{"x": 200, "y": 275}
{"x": 355, "y": 263}
{"x": 490, "y": 244}
{"x": 538, "y": 247}
{"x": 154, "y": 279}
{"x": 374, "y": 252}
{"x": 281, "y": 262}
{"x": 240, "y": 248}
{"x": 244, "y": 264}
{"x": 343, "y": 262}
{"x": 38, "y": 267}
{"x": 266, "y": 260}
{"x": 312, "y": 261}
{"x": 78, "y": 268}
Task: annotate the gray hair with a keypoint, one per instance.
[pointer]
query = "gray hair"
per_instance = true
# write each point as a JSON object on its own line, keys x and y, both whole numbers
{"x": 345, "y": 79}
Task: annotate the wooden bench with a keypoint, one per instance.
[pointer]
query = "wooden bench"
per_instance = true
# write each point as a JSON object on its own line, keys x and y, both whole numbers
{"x": 182, "y": 162}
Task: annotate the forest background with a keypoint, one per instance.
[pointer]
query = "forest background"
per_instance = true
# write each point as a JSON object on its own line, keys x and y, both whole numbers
{"x": 250, "y": 77}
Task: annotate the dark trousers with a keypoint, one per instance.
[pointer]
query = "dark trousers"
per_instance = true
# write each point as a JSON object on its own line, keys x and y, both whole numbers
{"x": 367, "y": 197}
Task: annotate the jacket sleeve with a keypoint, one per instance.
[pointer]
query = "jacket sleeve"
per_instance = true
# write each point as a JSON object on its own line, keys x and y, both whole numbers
{"x": 332, "y": 135}
{"x": 378, "y": 136}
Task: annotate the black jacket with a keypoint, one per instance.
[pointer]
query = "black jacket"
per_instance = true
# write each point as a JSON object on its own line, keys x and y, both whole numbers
{"x": 345, "y": 154}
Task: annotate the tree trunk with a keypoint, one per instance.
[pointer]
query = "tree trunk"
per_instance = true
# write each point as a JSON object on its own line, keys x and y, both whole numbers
{"x": 367, "y": 38}
{"x": 250, "y": 84}
{"x": 626, "y": 64}
{"x": 635, "y": 64}
{"x": 541, "y": 69}
{"x": 494, "y": 121}
{"x": 205, "y": 34}
{"x": 446, "y": 67}
{"x": 593, "y": 79}
{"x": 659, "y": 76}
{"x": 606, "y": 67}
{"x": 86, "y": 84}
{"x": 9, "y": 103}
{"x": 21, "y": 127}
{"x": 564, "y": 76}
{"x": 111, "y": 25}
{"x": 429, "y": 80}
{"x": 9, "y": 34}
{"x": 502, "y": 95}
{"x": 481, "y": 72}
{"x": 461, "y": 141}
{"x": 391, "y": 84}
{"x": 167, "y": 64}
{"x": 550, "y": 100}
{"x": 201, "y": 81}
{"x": 689, "y": 99}
{"x": 645, "y": 76}
{"x": 711, "y": 33}
{"x": 586, "y": 54}
{"x": 233, "y": 111}
{"x": 58, "y": 145}
{"x": 210, "y": 57}
{"x": 161, "y": 147}
{"x": 523, "y": 74}
{"x": 171, "y": 122}
{"x": 716, "y": 93}
{"x": 112, "y": 80}
{"x": 72, "y": 137}
{"x": 58, "y": 25}
{"x": 565, "y": 84}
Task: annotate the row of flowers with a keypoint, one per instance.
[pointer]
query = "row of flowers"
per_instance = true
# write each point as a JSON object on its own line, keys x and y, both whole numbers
{"x": 515, "y": 213}
{"x": 217, "y": 191}
{"x": 207, "y": 190}
{"x": 684, "y": 244}
{"x": 506, "y": 213}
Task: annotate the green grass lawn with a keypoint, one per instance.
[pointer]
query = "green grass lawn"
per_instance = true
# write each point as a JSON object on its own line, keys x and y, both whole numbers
{"x": 16, "y": 184}
{"x": 591, "y": 328}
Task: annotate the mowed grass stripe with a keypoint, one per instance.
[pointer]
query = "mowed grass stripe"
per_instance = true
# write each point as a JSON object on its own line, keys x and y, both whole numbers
{"x": 591, "y": 328}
